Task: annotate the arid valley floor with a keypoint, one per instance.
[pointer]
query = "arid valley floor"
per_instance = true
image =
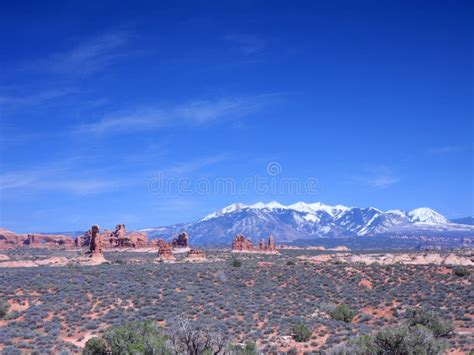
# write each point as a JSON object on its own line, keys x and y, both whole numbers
{"x": 56, "y": 309}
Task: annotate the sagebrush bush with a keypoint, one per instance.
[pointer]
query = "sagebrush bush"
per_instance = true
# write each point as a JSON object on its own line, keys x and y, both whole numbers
{"x": 236, "y": 263}
{"x": 301, "y": 333}
{"x": 4, "y": 306}
{"x": 343, "y": 313}
{"x": 461, "y": 271}
{"x": 132, "y": 338}
{"x": 430, "y": 320}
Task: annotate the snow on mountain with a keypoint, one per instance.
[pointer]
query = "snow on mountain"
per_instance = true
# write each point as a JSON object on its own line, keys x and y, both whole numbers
{"x": 398, "y": 213}
{"x": 426, "y": 216}
{"x": 305, "y": 221}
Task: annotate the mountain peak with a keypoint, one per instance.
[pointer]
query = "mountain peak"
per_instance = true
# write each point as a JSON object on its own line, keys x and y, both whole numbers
{"x": 302, "y": 221}
{"x": 426, "y": 215}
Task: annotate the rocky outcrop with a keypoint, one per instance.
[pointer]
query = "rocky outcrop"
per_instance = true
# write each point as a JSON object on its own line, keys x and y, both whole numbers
{"x": 95, "y": 253}
{"x": 395, "y": 258}
{"x": 138, "y": 239}
{"x": 79, "y": 242}
{"x": 195, "y": 255}
{"x": 10, "y": 240}
{"x": 165, "y": 252}
{"x": 119, "y": 238}
{"x": 95, "y": 245}
{"x": 270, "y": 247}
{"x": 181, "y": 241}
{"x": 53, "y": 261}
{"x": 46, "y": 240}
{"x": 243, "y": 245}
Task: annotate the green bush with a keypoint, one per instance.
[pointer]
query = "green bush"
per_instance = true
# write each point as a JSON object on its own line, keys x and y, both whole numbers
{"x": 236, "y": 263}
{"x": 430, "y": 320}
{"x": 361, "y": 345}
{"x": 132, "y": 338}
{"x": 301, "y": 333}
{"x": 4, "y": 306}
{"x": 397, "y": 341}
{"x": 461, "y": 271}
{"x": 408, "y": 340}
{"x": 95, "y": 346}
{"x": 343, "y": 313}
{"x": 250, "y": 348}
{"x": 422, "y": 334}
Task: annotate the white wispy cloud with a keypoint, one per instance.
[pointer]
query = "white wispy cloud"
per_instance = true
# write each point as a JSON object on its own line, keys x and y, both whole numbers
{"x": 89, "y": 56}
{"x": 377, "y": 177}
{"x": 194, "y": 113}
{"x": 196, "y": 164}
{"x": 61, "y": 176}
{"x": 247, "y": 44}
{"x": 34, "y": 99}
{"x": 64, "y": 176}
{"x": 447, "y": 149}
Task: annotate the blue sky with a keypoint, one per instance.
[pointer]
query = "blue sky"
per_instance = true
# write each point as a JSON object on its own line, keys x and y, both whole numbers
{"x": 100, "y": 102}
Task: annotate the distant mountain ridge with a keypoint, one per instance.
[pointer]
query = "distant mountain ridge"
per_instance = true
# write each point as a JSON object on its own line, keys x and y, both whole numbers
{"x": 308, "y": 221}
{"x": 465, "y": 220}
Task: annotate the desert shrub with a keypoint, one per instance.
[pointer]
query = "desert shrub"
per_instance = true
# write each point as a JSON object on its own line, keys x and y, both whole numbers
{"x": 430, "y": 320}
{"x": 250, "y": 348}
{"x": 398, "y": 340}
{"x": 301, "y": 333}
{"x": 236, "y": 262}
{"x": 342, "y": 312}
{"x": 408, "y": 340}
{"x": 361, "y": 345}
{"x": 461, "y": 271}
{"x": 132, "y": 338}
{"x": 4, "y": 306}
{"x": 95, "y": 346}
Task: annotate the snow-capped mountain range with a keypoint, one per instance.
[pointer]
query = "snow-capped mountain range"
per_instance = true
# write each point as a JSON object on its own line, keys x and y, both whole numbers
{"x": 308, "y": 221}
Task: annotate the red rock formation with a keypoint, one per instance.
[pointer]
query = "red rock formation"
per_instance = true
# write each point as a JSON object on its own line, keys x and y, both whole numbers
{"x": 47, "y": 240}
{"x": 241, "y": 244}
{"x": 79, "y": 242}
{"x": 271, "y": 244}
{"x": 95, "y": 245}
{"x": 107, "y": 239}
{"x": 31, "y": 240}
{"x": 138, "y": 239}
{"x": 181, "y": 241}
{"x": 161, "y": 243}
{"x": 165, "y": 251}
{"x": 10, "y": 240}
{"x": 195, "y": 255}
{"x": 120, "y": 236}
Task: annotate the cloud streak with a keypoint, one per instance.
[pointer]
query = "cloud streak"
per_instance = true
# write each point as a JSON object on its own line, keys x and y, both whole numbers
{"x": 448, "y": 149}
{"x": 245, "y": 43}
{"x": 193, "y": 113}
{"x": 378, "y": 178}
{"x": 20, "y": 101}
{"x": 89, "y": 56}
{"x": 63, "y": 176}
